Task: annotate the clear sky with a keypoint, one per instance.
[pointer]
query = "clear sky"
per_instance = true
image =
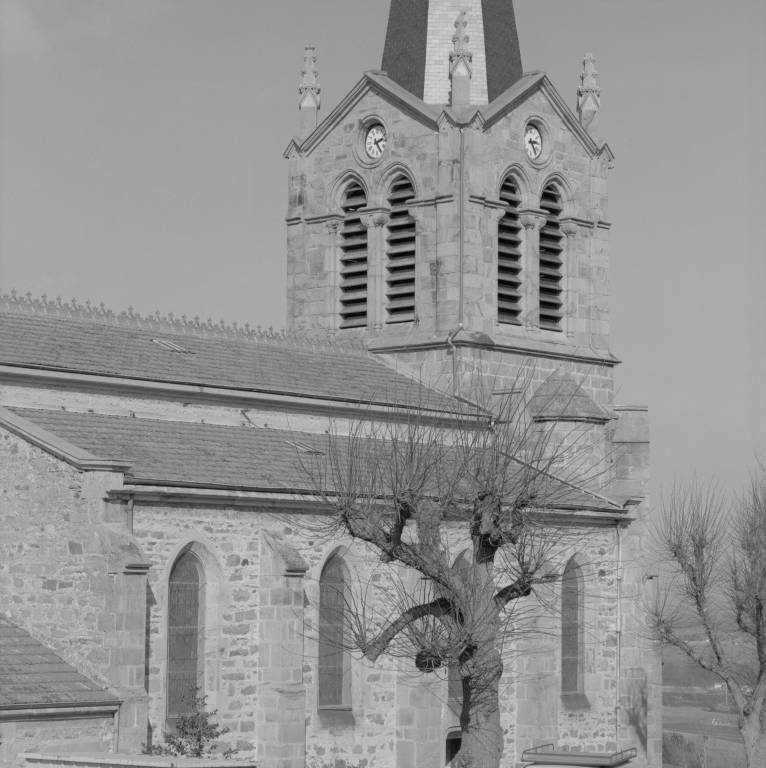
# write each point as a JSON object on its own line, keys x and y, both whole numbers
{"x": 141, "y": 165}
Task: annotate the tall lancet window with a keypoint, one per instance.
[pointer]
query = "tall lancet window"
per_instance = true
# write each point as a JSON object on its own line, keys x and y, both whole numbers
{"x": 509, "y": 257}
{"x": 334, "y": 660}
{"x": 185, "y": 634}
{"x": 551, "y": 262}
{"x": 353, "y": 285}
{"x": 572, "y": 626}
{"x": 400, "y": 277}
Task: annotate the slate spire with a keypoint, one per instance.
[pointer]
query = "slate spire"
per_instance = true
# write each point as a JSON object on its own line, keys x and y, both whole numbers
{"x": 419, "y": 40}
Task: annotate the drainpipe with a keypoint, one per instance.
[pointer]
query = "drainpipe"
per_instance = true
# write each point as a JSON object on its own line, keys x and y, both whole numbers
{"x": 617, "y": 705}
{"x": 461, "y": 217}
{"x": 129, "y": 518}
{"x": 116, "y": 734}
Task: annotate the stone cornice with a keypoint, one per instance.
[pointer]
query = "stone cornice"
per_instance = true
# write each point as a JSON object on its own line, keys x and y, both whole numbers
{"x": 58, "y": 711}
{"x": 238, "y": 497}
{"x": 549, "y": 350}
{"x": 323, "y": 217}
{"x": 62, "y": 449}
{"x": 600, "y": 508}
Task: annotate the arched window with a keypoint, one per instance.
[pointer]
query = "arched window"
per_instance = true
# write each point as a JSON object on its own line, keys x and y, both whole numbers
{"x": 551, "y": 262}
{"x": 400, "y": 278}
{"x": 572, "y": 621}
{"x": 334, "y": 661}
{"x": 509, "y": 257}
{"x": 353, "y": 285}
{"x": 185, "y": 634}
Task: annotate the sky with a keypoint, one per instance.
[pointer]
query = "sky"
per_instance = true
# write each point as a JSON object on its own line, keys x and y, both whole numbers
{"x": 141, "y": 166}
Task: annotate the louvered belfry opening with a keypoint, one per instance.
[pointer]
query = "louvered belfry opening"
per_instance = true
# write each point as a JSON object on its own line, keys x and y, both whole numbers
{"x": 353, "y": 286}
{"x": 572, "y": 616}
{"x": 333, "y": 680}
{"x": 185, "y": 628}
{"x": 400, "y": 280}
{"x": 551, "y": 262}
{"x": 509, "y": 257}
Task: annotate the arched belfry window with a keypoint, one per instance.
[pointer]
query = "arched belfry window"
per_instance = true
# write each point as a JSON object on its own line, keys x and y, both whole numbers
{"x": 551, "y": 261}
{"x": 334, "y": 660}
{"x": 400, "y": 249}
{"x": 185, "y": 634}
{"x": 572, "y": 628}
{"x": 353, "y": 285}
{"x": 509, "y": 257}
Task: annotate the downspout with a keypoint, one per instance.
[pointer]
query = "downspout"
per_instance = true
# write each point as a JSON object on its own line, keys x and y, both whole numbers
{"x": 116, "y": 734}
{"x": 461, "y": 216}
{"x": 618, "y": 649}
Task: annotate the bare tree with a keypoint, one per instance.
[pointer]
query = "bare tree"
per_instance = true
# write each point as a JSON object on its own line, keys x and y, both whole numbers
{"x": 714, "y": 553}
{"x": 480, "y": 502}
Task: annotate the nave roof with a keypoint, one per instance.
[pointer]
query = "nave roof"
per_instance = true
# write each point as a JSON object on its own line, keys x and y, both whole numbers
{"x": 73, "y": 340}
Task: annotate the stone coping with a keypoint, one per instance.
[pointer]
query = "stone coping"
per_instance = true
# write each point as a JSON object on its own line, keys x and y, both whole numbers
{"x": 105, "y": 760}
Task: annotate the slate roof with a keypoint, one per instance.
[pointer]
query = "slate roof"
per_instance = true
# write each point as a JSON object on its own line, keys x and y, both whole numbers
{"x": 117, "y": 346}
{"x": 173, "y": 452}
{"x": 31, "y": 674}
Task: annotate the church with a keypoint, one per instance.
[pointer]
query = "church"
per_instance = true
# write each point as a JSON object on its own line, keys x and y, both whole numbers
{"x": 447, "y": 222}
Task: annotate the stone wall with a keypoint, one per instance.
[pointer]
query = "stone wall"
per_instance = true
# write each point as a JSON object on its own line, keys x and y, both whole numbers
{"x": 264, "y": 652}
{"x": 55, "y": 736}
{"x": 62, "y": 575}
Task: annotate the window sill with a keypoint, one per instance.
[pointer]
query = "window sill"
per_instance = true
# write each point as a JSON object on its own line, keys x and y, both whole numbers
{"x": 575, "y": 701}
{"x": 336, "y": 717}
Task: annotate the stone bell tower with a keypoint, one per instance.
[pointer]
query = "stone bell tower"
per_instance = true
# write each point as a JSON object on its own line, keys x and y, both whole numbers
{"x": 453, "y": 207}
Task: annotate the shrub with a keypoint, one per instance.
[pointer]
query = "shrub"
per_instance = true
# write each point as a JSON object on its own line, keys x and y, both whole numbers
{"x": 681, "y": 752}
{"x": 196, "y": 734}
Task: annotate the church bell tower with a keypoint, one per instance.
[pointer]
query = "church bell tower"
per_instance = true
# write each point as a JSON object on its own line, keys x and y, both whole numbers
{"x": 453, "y": 205}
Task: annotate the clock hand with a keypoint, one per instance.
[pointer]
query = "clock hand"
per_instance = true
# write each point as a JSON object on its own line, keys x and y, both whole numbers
{"x": 377, "y": 142}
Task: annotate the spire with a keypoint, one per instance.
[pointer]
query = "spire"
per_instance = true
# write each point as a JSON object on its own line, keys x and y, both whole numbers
{"x": 419, "y": 42}
{"x": 589, "y": 96}
{"x": 309, "y": 100}
{"x": 460, "y": 64}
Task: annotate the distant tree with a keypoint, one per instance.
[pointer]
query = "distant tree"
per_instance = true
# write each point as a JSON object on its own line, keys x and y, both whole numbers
{"x": 196, "y": 734}
{"x": 476, "y": 505}
{"x": 713, "y": 550}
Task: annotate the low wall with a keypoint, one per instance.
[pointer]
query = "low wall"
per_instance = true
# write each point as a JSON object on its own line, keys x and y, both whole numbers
{"x": 140, "y": 761}
{"x": 55, "y": 736}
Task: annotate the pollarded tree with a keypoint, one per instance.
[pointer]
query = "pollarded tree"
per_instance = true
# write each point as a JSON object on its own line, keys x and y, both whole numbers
{"x": 713, "y": 551}
{"x": 427, "y": 483}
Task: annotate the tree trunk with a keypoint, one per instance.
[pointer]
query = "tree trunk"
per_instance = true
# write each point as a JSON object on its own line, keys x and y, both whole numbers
{"x": 755, "y": 741}
{"x": 482, "y": 736}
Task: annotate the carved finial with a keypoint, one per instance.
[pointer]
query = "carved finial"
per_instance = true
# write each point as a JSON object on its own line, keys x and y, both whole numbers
{"x": 309, "y": 85}
{"x": 589, "y": 96}
{"x": 460, "y": 64}
{"x": 309, "y": 100}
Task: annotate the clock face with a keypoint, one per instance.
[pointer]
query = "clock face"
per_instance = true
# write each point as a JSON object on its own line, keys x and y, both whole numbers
{"x": 533, "y": 142}
{"x": 375, "y": 142}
